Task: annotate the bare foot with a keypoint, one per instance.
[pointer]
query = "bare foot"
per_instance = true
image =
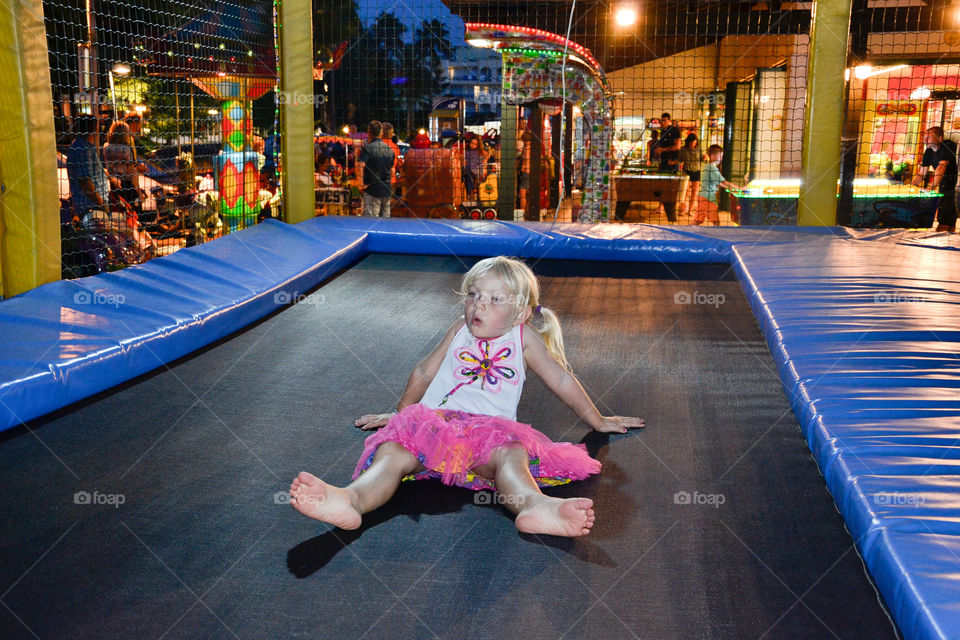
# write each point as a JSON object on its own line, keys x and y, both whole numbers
{"x": 557, "y": 517}
{"x": 313, "y": 497}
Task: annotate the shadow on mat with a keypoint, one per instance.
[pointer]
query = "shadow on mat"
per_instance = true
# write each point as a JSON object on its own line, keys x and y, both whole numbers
{"x": 411, "y": 499}
{"x": 415, "y": 499}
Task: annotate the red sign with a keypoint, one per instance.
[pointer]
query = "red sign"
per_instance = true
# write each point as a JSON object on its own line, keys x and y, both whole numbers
{"x": 893, "y": 108}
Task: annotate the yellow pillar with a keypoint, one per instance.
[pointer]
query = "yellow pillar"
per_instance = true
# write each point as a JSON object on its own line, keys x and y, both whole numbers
{"x": 823, "y": 113}
{"x": 29, "y": 202}
{"x": 296, "y": 109}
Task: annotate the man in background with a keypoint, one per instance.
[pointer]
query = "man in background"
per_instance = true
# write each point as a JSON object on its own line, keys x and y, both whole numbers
{"x": 940, "y": 160}
{"x": 388, "y": 137}
{"x": 669, "y": 144}
{"x": 375, "y": 164}
{"x": 89, "y": 187}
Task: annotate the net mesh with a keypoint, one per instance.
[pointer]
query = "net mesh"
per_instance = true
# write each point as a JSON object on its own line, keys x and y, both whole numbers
{"x": 648, "y": 111}
{"x": 165, "y": 118}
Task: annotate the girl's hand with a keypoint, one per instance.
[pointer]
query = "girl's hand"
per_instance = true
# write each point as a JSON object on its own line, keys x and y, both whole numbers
{"x": 370, "y": 421}
{"x": 619, "y": 424}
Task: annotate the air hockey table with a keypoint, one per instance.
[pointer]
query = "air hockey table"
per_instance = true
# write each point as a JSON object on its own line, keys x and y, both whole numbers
{"x": 876, "y": 204}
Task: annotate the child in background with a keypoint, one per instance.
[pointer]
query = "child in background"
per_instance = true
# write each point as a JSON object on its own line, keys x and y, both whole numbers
{"x": 690, "y": 161}
{"x": 456, "y": 419}
{"x": 708, "y": 211}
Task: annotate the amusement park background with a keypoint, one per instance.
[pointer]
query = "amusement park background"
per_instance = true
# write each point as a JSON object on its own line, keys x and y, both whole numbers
{"x": 563, "y": 97}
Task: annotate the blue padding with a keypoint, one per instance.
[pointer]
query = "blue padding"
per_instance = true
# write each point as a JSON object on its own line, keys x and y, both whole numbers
{"x": 867, "y": 341}
{"x": 604, "y": 242}
{"x": 68, "y": 340}
{"x": 864, "y": 327}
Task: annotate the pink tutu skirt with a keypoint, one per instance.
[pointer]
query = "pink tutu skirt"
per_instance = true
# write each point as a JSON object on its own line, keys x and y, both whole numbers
{"x": 451, "y": 443}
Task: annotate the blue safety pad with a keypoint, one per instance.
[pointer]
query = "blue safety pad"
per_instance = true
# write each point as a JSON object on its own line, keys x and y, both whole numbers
{"x": 867, "y": 341}
{"x": 622, "y": 242}
{"x": 71, "y": 339}
{"x": 863, "y": 326}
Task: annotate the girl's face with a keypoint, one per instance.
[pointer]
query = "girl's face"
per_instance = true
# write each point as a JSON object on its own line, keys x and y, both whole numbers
{"x": 489, "y": 309}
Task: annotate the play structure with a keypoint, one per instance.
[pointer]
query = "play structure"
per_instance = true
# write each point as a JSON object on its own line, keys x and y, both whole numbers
{"x": 539, "y": 66}
{"x": 235, "y": 75}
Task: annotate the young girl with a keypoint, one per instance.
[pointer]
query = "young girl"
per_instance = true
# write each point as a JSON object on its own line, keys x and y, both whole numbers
{"x": 711, "y": 180}
{"x": 456, "y": 417}
{"x": 690, "y": 163}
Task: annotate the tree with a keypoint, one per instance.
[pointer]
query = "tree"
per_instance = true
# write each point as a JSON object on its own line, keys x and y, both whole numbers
{"x": 334, "y": 22}
{"x": 424, "y": 70}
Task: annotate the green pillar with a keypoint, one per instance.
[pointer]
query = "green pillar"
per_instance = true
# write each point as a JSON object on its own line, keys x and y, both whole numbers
{"x": 29, "y": 202}
{"x": 823, "y": 112}
{"x": 296, "y": 111}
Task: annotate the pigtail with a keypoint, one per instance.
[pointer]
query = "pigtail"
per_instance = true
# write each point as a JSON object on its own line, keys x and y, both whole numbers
{"x": 546, "y": 322}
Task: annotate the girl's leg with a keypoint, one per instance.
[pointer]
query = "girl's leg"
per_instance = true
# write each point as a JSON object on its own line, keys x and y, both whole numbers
{"x": 509, "y": 468}
{"x": 344, "y": 507}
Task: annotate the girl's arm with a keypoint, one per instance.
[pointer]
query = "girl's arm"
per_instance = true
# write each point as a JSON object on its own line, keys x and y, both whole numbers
{"x": 417, "y": 383}
{"x": 568, "y": 388}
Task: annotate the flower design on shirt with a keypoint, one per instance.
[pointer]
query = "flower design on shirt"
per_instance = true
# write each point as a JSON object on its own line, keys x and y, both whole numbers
{"x": 479, "y": 364}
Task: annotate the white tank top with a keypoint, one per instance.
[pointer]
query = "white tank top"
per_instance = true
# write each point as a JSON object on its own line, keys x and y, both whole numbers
{"x": 478, "y": 375}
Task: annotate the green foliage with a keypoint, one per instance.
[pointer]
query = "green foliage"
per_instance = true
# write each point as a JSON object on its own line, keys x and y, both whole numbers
{"x": 384, "y": 74}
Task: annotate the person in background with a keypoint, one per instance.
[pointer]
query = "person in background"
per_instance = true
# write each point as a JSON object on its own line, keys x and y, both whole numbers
{"x": 523, "y": 167}
{"x": 121, "y": 167}
{"x": 375, "y": 164}
{"x": 420, "y": 141}
{"x": 135, "y": 122}
{"x": 653, "y": 147}
{"x": 324, "y": 169}
{"x": 669, "y": 144}
{"x": 89, "y": 187}
{"x": 690, "y": 157}
{"x": 940, "y": 156}
{"x": 708, "y": 211}
{"x": 390, "y": 138}
{"x": 473, "y": 167}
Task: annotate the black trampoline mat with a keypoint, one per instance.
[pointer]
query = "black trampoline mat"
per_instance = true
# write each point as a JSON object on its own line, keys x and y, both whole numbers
{"x": 712, "y": 523}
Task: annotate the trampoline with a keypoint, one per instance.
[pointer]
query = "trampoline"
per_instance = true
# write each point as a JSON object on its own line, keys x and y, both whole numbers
{"x": 157, "y": 508}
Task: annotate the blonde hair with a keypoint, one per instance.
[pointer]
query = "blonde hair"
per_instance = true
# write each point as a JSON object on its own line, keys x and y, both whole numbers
{"x": 524, "y": 288}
